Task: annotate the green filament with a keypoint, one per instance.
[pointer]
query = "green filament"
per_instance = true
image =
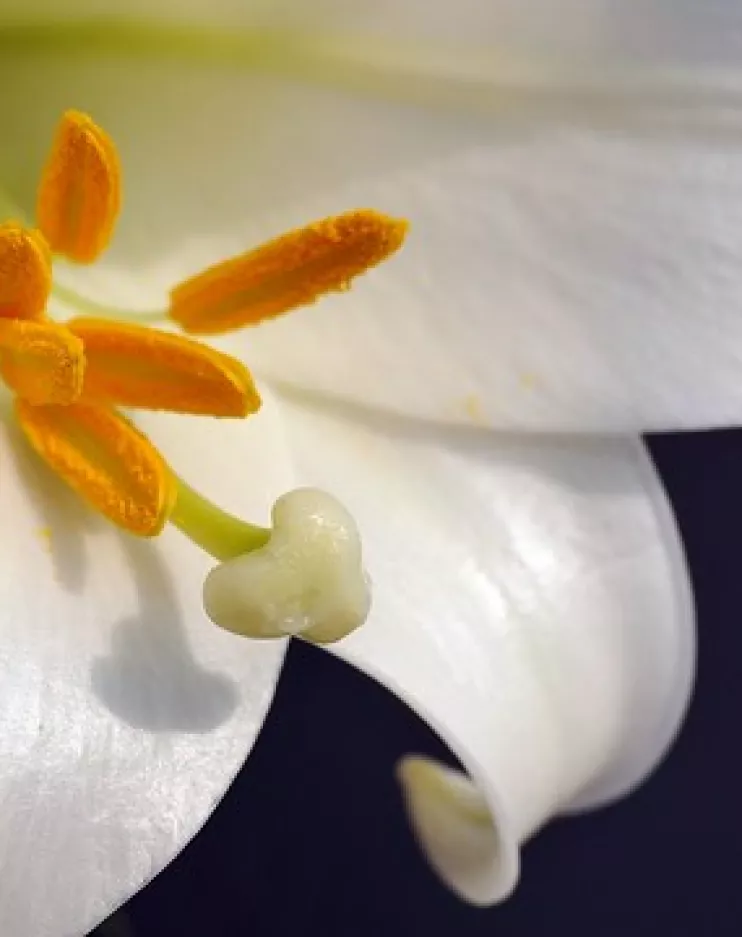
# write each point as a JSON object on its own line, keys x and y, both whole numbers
{"x": 218, "y": 533}
{"x": 71, "y": 298}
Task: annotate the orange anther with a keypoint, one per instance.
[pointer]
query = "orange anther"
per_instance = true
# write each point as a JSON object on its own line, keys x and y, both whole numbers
{"x": 106, "y": 460}
{"x": 291, "y": 271}
{"x": 41, "y": 361}
{"x": 79, "y": 196}
{"x": 25, "y": 272}
{"x": 135, "y": 366}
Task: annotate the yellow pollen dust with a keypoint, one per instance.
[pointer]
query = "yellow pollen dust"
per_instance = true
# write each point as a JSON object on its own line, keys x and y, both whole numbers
{"x": 474, "y": 409}
{"x": 290, "y": 271}
{"x": 45, "y": 535}
{"x": 25, "y": 272}
{"x": 43, "y": 362}
{"x": 79, "y": 195}
{"x": 106, "y": 460}
{"x": 136, "y": 366}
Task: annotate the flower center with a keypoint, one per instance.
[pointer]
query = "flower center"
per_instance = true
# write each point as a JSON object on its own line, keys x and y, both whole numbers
{"x": 70, "y": 379}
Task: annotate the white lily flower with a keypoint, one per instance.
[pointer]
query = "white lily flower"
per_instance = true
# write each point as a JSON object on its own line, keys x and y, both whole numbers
{"x": 570, "y": 180}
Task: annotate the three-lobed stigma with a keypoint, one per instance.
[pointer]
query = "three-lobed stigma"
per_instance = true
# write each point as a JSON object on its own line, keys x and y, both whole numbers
{"x": 307, "y": 579}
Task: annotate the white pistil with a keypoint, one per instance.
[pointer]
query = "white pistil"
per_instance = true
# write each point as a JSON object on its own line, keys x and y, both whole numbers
{"x": 307, "y": 580}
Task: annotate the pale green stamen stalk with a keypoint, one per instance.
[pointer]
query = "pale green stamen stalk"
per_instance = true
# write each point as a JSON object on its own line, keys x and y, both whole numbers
{"x": 89, "y": 307}
{"x": 218, "y": 533}
{"x": 80, "y": 304}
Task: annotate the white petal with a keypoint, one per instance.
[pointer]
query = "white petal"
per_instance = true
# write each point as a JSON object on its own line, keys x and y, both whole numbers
{"x": 125, "y": 713}
{"x": 530, "y": 602}
{"x": 561, "y": 280}
{"x": 635, "y": 33}
{"x": 579, "y": 272}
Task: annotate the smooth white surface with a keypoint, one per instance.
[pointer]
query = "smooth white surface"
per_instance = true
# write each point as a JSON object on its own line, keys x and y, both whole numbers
{"x": 124, "y": 713}
{"x": 531, "y": 603}
{"x": 574, "y": 261}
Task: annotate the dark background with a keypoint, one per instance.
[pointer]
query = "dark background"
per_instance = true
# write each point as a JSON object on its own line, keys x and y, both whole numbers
{"x": 311, "y": 839}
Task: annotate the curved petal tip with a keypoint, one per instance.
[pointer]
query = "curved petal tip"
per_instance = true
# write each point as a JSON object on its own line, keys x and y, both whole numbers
{"x": 455, "y": 829}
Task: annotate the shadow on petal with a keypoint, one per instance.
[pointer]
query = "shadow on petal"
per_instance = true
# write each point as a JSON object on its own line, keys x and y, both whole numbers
{"x": 63, "y": 520}
{"x": 480, "y": 443}
{"x": 151, "y": 679}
